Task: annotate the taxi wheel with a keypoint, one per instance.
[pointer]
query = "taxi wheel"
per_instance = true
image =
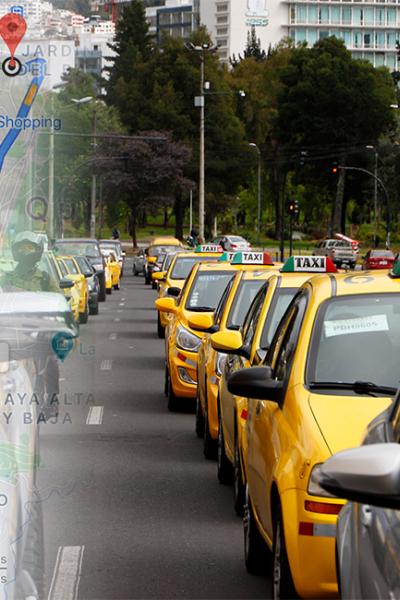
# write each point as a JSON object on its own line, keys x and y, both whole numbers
{"x": 147, "y": 279}
{"x": 209, "y": 444}
{"x": 173, "y": 401}
{"x": 94, "y": 309}
{"x": 238, "y": 484}
{"x": 160, "y": 328}
{"x": 282, "y": 582}
{"x": 84, "y": 317}
{"x": 117, "y": 286}
{"x": 224, "y": 467}
{"x": 199, "y": 417}
{"x": 153, "y": 285}
{"x": 256, "y": 555}
{"x": 135, "y": 272}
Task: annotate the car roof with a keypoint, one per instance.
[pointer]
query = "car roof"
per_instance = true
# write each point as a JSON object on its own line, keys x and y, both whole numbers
{"x": 75, "y": 240}
{"x": 165, "y": 241}
{"x": 351, "y": 283}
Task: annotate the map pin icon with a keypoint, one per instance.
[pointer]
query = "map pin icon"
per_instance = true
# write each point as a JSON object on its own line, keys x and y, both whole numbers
{"x": 62, "y": 344}
{"x": 12, "y": 30}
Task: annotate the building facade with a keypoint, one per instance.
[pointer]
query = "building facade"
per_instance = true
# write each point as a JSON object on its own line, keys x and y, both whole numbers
{"x": 178, "y": 18}
{"x": 369, "y": 28}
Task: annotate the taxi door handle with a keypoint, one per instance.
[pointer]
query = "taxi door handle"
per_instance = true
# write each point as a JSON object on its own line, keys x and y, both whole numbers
{"x": 366, "y": 515}
{"x": 259, "y": 408}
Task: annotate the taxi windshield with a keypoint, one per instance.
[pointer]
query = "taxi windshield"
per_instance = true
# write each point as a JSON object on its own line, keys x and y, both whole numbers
{"x": 280, "y": 302}
{"x": 183, "y": 266}
{"x": 244, "y": 296}
{"x": 356, "y": 339}
{"x": 90, "y": 249}
{"x": 207, "y": 290}
{"x": 157, "y": 250}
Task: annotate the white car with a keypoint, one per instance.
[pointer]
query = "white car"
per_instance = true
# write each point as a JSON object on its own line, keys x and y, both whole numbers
{"x": 233, "y": 243}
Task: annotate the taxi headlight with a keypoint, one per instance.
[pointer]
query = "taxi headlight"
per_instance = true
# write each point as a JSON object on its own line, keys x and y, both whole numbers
{"x": 314, "y": 488}
{"x": 186, "y": 340}
{"x": 219, "y": 363}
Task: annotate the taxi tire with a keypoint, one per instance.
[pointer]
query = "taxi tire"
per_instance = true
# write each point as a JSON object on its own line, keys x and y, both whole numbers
{"x": 160, "y": 328}
{"x": 94, "y": 309}
{"x": 153, "y": 285}
{"x": 117, "y": 286}
{"x": 199, "y": 427}
{"x": 239, "y": 487}
{"x": 147, "y": 279}
{"x": 282, "y": 581}
{"x": 256, "y": 554}
{"x": 209, "y": 444}
{"x": 84, "y": 317}
{"x": 109, "y": 291}
{"x": 224, "y": 467}
{"x": 135, "y": 272}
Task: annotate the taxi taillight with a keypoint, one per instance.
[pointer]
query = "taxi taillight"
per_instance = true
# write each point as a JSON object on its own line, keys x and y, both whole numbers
{"x": 322, "y": 508}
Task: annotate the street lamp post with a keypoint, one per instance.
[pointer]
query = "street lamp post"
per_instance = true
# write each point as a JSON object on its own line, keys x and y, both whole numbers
{"x": 253, "y": 145}
{"x": 375, "y": 192}
{"x": 200, "y": 102}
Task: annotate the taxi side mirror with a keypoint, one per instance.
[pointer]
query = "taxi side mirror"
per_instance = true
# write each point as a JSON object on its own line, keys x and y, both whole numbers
{"x": 166, "y": 305}
{"x": 228, "y": 341}
{"x": 201, "y": 321}
{"x": 158, "y": 276}
{"x": 151, "y": 259}
{"x": 256, "y": 383}
{"x": 66, "y": 283}
{"x": 174, "y": 291}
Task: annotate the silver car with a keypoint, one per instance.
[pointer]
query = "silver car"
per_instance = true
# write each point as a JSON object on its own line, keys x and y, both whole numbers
{"x": 139, "y": 261}
{"x": 368, "y": 530}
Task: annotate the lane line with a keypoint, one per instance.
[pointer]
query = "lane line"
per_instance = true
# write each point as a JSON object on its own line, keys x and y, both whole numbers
{"x": 122, "y": 303}
{"x": 95, "y": 415}
{"x": 113, "y": 336}
{"x": 67, "y": 573}
{"x": 117, "y": 320}
{"x": 119, "y": 310}
{"x": 106, "y": 365}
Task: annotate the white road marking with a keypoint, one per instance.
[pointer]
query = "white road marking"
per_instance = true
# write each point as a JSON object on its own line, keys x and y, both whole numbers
{"x": 67, "y": 573}
{"x": 119, "y": 310}
{"x": 113, "y": 336}
{"x": 117, "y": 320}
{"x": 131, "y": 347}
{"x": 95, "y": 415}
{"x": 123, "y": 299}
{"x": 106, "y": 365}
{"x": 122, "y": 303}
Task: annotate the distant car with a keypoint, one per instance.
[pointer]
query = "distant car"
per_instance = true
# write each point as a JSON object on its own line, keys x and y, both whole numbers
{"x": 340, "y": 252}
{"x": 93, "y": 283}
{"x": 378, "y": 259}
{"x": 116, "y": 246}
{"x": 232, "y": 243}
{"x": 367, "y": 536}
{"x": 90, "y": 248}
{"x": 139, "y": 261}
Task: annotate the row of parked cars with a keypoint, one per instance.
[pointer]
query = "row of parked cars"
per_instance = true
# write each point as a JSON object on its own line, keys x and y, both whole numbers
{"x": 291, "y": 366}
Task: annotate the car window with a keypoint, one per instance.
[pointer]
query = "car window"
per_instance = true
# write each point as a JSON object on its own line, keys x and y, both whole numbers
{"x": 281, "y": 353}
{"x": 207, "y": 289}
{"x": 183, "y": 265}
{"x": 71, "y": 266}
{"x": 244, "y": 297}
{"x": 84, "y": 266}
{"x": 222, "y": 303}
{"x": 63, "y": 268}
{"x": 252, "y": 317}
{"x": 90, "y": 249}
{"x": 280, "y": 302}
{"x": 356, "y": 338}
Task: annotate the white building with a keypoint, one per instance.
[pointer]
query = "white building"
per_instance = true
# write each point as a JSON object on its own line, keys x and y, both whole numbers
{"x": 178, "y": 18}
{"x": 369, "y": 28}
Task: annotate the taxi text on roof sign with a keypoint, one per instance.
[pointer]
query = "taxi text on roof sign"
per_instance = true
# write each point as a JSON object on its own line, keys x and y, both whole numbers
{"x": 309, "y": 264}
{"x": 226, "y": 257}
{"x": 208, "y": 248}
{"x": 252, "y": 258}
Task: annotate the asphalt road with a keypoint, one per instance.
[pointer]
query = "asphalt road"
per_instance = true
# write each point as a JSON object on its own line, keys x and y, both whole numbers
{"x": 130, "y": 507}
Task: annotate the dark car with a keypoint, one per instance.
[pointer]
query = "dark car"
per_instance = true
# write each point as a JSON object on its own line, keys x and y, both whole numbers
{"x": 378, "y": 259}
{"x": 368, "y": 530}
{"x": 90, "y": 248}
{"x": 92, "y": 281}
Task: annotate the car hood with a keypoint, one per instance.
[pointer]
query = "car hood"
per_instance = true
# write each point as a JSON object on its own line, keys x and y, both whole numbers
{"x": 343, "y": 420}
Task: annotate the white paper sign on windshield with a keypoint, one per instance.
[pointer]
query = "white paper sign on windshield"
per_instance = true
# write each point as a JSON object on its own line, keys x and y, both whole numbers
{"x": 356, "y": 325}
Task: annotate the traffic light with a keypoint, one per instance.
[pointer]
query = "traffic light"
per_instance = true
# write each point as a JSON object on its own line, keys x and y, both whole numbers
{"x": 293, "y": 207}
{"x": 334, "y": 168}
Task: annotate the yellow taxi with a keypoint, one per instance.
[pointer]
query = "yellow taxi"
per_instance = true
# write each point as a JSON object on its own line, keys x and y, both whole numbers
{"x": 158, "y": 245}
{"x": 172, "y": 281}
{"x": 113, "y": 277}
{"x": 75, "y": 274}
{"x": 332, "y": 366}
{"x": 192, "y": 314}
{"x": 255, "y": 268}
{"x": 72, "y": 294}
{"x": 245, "y": 348}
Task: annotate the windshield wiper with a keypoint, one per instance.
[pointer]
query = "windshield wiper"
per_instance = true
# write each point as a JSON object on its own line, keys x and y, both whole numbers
{"x": 359, "y": 387}
{"x": 201, "y": 308}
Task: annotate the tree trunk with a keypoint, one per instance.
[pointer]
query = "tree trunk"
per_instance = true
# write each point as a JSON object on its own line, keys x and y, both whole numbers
{"x": 165, "y": 216}
{"x": 338, "y": 206}
{"x": 132, "y": 227}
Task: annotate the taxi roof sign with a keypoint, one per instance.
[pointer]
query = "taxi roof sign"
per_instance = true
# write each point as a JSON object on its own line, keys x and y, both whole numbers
{"x": 208, "y": 248}
{"x": 309, "y": 264}
{"x": 226, "y": 257}
{"x": 252, "y": 258}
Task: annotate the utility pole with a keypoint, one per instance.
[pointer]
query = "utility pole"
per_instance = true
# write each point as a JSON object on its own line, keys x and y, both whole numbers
{"x": 50, "y": 199}
{"x": 253, "y": 145}
{"x": 93, "y": 190}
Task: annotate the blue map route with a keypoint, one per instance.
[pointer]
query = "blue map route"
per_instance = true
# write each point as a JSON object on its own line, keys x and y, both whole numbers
{"x": 36, "y": 65}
